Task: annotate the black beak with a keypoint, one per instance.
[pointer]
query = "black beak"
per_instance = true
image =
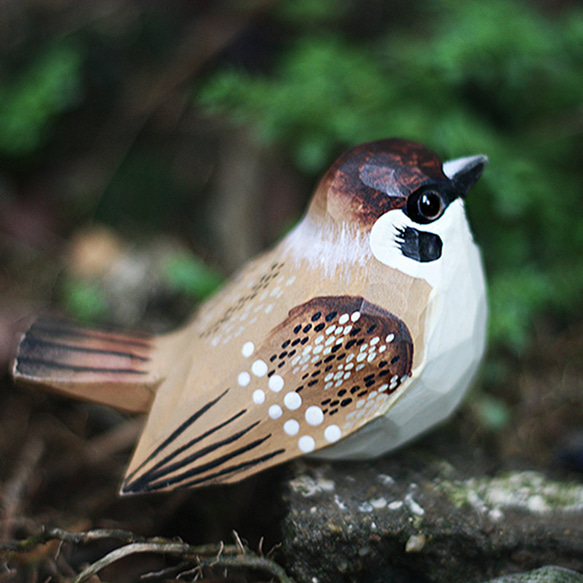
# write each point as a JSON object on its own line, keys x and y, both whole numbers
{"x": 464, "y": 172}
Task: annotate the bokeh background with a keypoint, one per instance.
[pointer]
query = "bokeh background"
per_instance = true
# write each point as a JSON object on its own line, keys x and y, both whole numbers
{"x": 147, "y": 149}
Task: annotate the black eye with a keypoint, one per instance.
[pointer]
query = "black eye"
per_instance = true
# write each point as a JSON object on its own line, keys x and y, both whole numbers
{"x": 430, "y": 205}
{"x": 426, "y": 206}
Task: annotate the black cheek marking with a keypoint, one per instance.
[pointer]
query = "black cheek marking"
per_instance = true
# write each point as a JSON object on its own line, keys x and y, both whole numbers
{"x": 325, "y": 401}
{"x": 270, "y": 373}
{"x": 285, "y": 344}
{"x": 368, "y": 378}
{"x": 362, "y": 393}
{"x": 333, "y": 412}
{"x": 297, "y": 329}
{"x": 305, "y": 376}
{"x": 318, "y": 364}
{"x": 360, "y": 342}
{"x": 383, "y": 363}
{"x": 354, "y": 389}
{"x": 341, "y": 392}
{"x": 291, "y": 353}
{"x": 336, "y": 347}
{"x": 329, "y": 358}
{"x": 350, "y": 344}
{"x": 371, "y": 329}
{"x": 283, "y": 354}
{"x": 307, "y": 328}
{"x": 341, "y": 356}
{"x": 419, "y": 245}
{"x": 282, "y": 363}
{"x": 319, "y": 327}
{"x": 312, "y": 383}
{"x": 272, "y": 357}
{"x": 328, "y": 368}
{"x": 334, "y": 403}
{"x": 384, "y": 372}
{"x": 316, "y": 373}
{"x": 346, "y": 402}
{"x": 304, "y": 340}
{"x": 295, "y": 342}
{"x": 355, "y": 331}
{"x": 316, "y": 316}
{"x": 395, "y": 359}
{"x": 369, "y": 384}
{"x": 300, "y": 388}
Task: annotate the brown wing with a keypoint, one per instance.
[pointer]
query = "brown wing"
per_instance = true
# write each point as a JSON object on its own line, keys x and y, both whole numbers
{"x": 334, "y": 364}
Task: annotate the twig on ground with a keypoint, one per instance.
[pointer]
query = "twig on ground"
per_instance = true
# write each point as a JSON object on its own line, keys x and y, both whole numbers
{"x": 239, "y": 543}
{"x": 29, "y": 544}
{"x": 15, "y": 488}
{"x": 131, "y": 549}
{"x": 204, "y": 556}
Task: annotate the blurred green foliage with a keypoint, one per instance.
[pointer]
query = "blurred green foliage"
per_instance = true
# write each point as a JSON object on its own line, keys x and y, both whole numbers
{"x": 186, "y": 274}
{"x": 31, "y": 100}
{"x": 500, "y": 77}
{"x": 84, "y": 299}
{"x": 496, "y": 77}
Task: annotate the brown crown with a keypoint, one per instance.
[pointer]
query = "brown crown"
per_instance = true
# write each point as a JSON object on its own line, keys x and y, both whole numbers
{"x": 371, "y": 179}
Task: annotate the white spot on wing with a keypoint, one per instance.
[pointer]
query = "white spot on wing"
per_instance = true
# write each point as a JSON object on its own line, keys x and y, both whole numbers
{"x": 259, "y": 368}
{"x": 244, "y": 379}
{"x": 291, "y": 427}
{"x": 258, "y": 397}
{"x": 292, "y": 401}
{"x": 248, "y": 349}
{"x": 314, "y": 415}
{"x": 276, "y": 383}
{"x": 306, "y": 443}
{"x": 332, "y": 433}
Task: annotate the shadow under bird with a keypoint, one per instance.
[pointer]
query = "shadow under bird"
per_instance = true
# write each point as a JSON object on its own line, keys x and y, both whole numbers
{"x": 361, "y": 329}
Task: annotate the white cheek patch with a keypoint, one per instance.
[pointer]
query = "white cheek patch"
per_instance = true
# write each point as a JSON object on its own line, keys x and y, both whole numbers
{"x": 452, "y": 228}
{"x": 384, "y": 242}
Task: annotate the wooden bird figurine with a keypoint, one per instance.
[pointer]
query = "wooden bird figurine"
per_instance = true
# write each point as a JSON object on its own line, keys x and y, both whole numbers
{"x": 361, "y": 329}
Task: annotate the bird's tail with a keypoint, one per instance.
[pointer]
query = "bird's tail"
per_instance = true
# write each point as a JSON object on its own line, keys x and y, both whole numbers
{"x": 102, "y": 366}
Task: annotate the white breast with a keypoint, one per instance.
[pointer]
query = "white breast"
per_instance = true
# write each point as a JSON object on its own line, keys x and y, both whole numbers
{"x": 454, "y": 337}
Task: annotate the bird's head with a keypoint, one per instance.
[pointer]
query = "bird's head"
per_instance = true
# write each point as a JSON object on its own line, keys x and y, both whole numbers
{"x": 402, "y": 198}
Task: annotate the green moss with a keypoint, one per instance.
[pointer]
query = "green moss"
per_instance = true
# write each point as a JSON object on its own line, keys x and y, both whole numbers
{"x": 527, "y": 491}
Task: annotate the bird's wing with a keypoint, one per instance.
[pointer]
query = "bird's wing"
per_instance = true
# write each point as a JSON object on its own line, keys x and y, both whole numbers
{"x": 333, "y": 364}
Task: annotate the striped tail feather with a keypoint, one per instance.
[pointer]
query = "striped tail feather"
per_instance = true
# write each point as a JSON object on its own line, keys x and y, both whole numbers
{"x": 105, "y": 367}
